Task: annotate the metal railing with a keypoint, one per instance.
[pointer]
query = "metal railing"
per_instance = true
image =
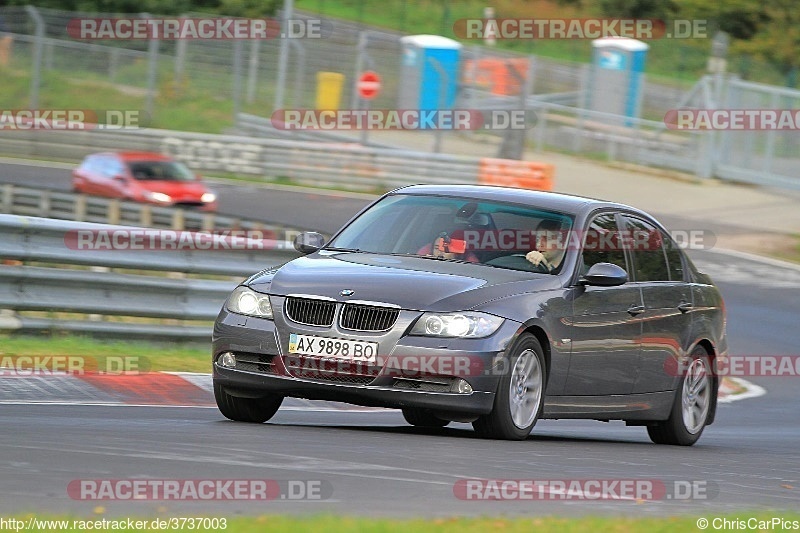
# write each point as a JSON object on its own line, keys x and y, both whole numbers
{"x": 343, "y": 164}
{"x": 30, "y": 201}
{"x": 45, "y": 283}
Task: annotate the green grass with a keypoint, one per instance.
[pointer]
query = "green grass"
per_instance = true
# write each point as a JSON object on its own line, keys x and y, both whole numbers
{"x": 538, "y": 524}
{"x": 188, "y": 107}
{"x": 150, "y": 356}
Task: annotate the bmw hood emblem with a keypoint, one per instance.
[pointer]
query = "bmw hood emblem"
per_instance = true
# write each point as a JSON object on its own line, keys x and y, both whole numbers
{"x": 347, "y": 292}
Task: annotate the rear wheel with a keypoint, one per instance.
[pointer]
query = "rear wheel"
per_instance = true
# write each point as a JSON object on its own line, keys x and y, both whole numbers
{"x": 691, "y": 406}
{"x": 519, "y": 399}
{"x": 256, "y": 410}
{"x": 423, "y": 418}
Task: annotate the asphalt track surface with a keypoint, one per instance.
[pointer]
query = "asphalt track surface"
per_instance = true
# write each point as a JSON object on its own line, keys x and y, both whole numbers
{"x": 375, "y": 464}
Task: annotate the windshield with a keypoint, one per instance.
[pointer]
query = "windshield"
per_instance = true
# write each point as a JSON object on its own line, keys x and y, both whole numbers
{"x": 491, "y": 233}
{"x": 161, "y": 171}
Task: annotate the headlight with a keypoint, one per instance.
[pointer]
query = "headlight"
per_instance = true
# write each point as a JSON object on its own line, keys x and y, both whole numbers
{"x": 244, "y": 301}
{"x": 467, "y": 324}
{"x": 208, "y": 197}
{"x": 158, "y": 197}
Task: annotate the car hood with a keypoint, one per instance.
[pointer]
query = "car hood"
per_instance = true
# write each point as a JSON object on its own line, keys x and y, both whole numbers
{"x": 174, "y": 188}
{"x": 411, "y": 282}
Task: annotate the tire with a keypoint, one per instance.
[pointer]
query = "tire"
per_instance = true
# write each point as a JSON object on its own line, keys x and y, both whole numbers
{"x": 255, "y": 410}
{"x": 520, "y": 394}
{"x": 423, "y": 418}
{"x": 691, "y": 406}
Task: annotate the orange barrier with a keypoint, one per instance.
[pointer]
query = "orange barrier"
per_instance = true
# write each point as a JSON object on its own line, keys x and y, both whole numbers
{"x": 494, "y": 74}
{"x": 513, "y": 173}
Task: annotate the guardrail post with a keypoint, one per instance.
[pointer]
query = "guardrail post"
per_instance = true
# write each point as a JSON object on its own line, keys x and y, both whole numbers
{"x": 208, "y": 222}
{"x": 113, "y": 212}
{"x": 8, "y": 198}
{"x": 146, "y": 216}
{"x": 178, "y": 220}
{"x": 94, "y": 317}
{"x": 44, "y": 203}
{"x": 79, "y": 208}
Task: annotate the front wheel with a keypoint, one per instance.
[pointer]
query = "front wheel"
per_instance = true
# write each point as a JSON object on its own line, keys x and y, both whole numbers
{"x": 255, "y": 410}
{"x": 690, "y": 408}
{"x": 519, "y": 399}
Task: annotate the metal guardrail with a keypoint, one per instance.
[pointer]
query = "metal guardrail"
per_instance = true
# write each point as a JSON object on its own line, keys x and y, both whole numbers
{"x": 344, "y": 164}
{"x": 263, "y": 128}
{"x": 29, "y": 201}
{"x": 58, "y": 283}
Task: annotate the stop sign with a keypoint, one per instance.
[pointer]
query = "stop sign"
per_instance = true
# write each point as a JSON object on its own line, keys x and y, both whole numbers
{"x": 369, "y": 85}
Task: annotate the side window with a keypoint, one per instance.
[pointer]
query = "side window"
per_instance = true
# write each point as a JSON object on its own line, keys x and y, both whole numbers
{"x": 602, "y": 243}
{"x": 115, "y": 168}
{"x": 647, "y": 248}
{"x": 104, "y": 166}
{"x": 674, "y": 258}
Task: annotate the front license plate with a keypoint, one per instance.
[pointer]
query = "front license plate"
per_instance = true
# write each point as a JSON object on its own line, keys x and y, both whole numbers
{"x": 359, "y": 351}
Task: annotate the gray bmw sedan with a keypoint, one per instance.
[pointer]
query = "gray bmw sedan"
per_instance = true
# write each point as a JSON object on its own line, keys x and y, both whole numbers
{"x": 489, "y": 305}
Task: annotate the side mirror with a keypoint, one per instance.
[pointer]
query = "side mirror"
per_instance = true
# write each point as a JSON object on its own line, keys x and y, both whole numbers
{"x": 121, "y": 179}
{"x": 308, "y": 242}
{"x": 604, "y": 275}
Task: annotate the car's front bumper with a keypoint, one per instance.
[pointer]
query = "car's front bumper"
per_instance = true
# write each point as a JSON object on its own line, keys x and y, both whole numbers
{"x": 240, "y": 383}
{"x": 389, "y": 388}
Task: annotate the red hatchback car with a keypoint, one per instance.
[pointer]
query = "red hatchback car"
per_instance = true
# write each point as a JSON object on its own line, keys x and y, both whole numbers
{"x": 142, "y": 177}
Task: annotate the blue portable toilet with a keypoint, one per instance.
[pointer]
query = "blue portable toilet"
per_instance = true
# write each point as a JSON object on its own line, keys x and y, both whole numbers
{"x": 617, "y": 72}
{"x": 423, "y": 85}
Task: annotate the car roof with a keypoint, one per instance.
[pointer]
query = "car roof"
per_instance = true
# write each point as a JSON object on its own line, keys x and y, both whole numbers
{"x": 137, "y": 156}
{"x": 565, "y": 203}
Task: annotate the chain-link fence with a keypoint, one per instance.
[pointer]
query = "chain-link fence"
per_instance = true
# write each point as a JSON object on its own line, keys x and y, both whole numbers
{"x": 771, "y": 156}
{"x": 179, "y": 82}
{"x": 245, "y": 74}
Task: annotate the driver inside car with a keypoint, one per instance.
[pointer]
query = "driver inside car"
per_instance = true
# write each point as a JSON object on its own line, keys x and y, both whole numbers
{"x": 549, "y": 251}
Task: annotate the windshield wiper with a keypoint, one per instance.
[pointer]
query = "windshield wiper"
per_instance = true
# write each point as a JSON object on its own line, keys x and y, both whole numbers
{"x": 353, "y": 250}
{"x": 451, "y": 260}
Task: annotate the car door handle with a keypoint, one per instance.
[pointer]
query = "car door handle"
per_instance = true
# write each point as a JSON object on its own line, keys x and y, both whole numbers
{"x": 685, "y": 306}
{"x": 636, "y": 309}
